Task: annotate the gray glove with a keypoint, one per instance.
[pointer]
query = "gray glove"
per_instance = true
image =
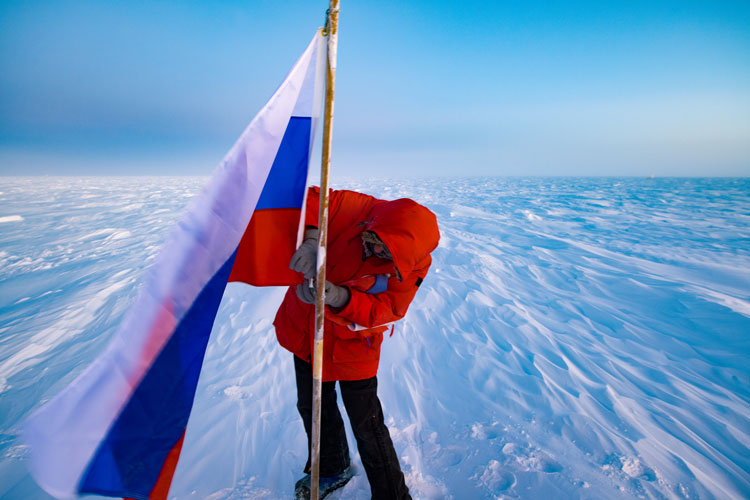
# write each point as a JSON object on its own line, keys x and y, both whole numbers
{"x": 336, "y": 296}
{"x": 305, "y": 258}
{"x": 306, "y": 293}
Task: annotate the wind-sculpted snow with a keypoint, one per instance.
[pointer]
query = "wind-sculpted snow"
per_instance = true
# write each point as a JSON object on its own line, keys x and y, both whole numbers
{"x": 575, "y": 338}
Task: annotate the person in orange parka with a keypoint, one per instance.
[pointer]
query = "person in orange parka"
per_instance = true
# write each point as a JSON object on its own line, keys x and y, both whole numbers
{"x": 378, "y": 253}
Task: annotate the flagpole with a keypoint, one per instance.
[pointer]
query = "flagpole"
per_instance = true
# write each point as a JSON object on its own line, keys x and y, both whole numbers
{"x": 332, "y": 24}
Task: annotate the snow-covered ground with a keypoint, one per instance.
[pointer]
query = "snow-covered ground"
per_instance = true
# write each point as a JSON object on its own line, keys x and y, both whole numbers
{"x": 575, "y": 338}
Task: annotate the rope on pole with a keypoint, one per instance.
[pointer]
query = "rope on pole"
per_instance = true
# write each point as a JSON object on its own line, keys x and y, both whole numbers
{"x": 331, "y": 31}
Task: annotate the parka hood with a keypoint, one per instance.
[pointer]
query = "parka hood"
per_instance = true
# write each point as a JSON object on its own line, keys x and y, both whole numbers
{"x": 408, "y": 229}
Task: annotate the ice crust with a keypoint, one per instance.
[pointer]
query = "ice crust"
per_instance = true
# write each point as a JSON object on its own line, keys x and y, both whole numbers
{"x": 575, "y": 338}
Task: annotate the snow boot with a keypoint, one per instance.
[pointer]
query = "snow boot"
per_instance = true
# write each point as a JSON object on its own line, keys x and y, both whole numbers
{"x": 325, "y": 486}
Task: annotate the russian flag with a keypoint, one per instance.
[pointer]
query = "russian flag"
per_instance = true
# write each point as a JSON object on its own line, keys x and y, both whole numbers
{"x": 117, "y": 429}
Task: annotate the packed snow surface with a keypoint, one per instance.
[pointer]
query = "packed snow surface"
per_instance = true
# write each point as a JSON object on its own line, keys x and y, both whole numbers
{"x": 575, "y": 338}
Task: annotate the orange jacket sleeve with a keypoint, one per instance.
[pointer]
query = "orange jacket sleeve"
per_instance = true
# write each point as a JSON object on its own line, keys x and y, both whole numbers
{"x": 373, "y": 310}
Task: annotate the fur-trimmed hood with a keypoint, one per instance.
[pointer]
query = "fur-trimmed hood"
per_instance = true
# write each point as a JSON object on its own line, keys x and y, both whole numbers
{"x": 409, "y": 231}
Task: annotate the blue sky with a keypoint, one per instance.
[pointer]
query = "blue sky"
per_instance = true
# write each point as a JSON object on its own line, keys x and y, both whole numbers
{"x": 423, "y": 87}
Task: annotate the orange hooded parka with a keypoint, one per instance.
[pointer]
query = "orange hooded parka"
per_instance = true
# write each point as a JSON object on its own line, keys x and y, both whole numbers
{"x": 380, "y": 289}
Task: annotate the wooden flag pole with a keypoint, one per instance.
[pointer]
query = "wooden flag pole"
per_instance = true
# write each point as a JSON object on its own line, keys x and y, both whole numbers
{"x": 331, "y": 30}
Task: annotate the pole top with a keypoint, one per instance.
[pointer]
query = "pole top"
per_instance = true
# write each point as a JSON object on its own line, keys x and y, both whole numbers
{"x": 333, "y": 10}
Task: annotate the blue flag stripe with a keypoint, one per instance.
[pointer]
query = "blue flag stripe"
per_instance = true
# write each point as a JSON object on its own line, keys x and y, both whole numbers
{"x": 285, "y": 186}
{"x": 128, "y": 462}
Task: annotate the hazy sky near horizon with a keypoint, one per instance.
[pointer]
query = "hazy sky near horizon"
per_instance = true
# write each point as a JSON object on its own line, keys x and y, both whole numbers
{"x": 423, "y": 87}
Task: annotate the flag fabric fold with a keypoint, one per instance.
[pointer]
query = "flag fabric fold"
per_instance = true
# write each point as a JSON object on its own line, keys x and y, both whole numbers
{"x": 118, "y": 428}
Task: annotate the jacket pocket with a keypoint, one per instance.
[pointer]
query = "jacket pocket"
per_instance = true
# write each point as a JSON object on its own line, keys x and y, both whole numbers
{"x": 347, "y": 350}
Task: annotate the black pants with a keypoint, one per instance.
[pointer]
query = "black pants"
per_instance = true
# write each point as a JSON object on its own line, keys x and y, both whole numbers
{"x": 366, "y": 417}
